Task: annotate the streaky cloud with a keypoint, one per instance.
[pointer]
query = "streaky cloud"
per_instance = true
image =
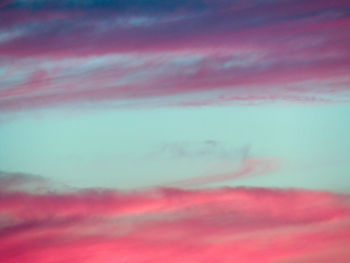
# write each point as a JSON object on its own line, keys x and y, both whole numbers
{"x": 59, "y": 53}
{"x": 231, "y": 224}
{"x": 248, "y": 167}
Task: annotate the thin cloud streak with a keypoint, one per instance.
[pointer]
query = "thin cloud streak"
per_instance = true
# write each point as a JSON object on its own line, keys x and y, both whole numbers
{"x": 247, "y": 168}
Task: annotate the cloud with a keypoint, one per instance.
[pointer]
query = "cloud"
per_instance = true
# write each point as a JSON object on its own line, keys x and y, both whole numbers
{"x": 248, "y": 167}
{"x": 119, "y": 6}
{"x": 188, "y": 53}
{"x": 20, "y": 181}
{"x": 230, "y": 224}
{"x": 17, "y": 182}
{"x": 202, "y": 149}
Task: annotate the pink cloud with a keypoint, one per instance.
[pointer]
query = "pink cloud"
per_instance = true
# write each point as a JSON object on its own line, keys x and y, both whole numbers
{"x": 161, "y": 78}
{"x": 226, "y": 224}
{"x": 247, "y": 168}
{"x": 225, "y": 52}
{"x": 38, "y": 80}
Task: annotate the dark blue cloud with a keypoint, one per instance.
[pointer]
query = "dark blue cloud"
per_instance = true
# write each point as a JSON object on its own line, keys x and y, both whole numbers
{"x": 122, "y": 5}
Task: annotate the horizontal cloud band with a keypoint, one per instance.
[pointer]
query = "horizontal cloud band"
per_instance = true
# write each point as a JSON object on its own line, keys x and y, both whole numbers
{"x": 188, "y": 53}
{"x": 169, "y": 224}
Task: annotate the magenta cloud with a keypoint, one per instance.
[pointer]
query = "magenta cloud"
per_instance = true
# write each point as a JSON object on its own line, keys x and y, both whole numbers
{"x": 208, "y": 53}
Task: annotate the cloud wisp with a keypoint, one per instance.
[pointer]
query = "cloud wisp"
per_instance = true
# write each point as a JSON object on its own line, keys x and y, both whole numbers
{"x": 212, "y": 149}
{"x": 247, "y": 168}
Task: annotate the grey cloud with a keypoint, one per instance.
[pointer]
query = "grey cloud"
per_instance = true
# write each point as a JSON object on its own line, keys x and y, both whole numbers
{"x": 204, "y": 149}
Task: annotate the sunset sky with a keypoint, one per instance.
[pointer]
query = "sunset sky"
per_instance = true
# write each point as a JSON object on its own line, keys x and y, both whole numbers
{"x": 175, "y": 131}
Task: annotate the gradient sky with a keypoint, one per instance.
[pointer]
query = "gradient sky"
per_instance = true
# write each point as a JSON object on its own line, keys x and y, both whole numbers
{"x": 121, "y": 119}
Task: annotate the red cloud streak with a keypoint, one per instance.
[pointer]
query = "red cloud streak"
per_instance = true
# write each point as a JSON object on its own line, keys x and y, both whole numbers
{"x": 247, "y": 168}
{"x": 174, "y": 225}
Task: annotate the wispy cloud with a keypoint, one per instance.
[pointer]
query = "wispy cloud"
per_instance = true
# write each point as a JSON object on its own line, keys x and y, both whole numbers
{"x": 21, "y": 181}
{"x": 247, "y": 168}
{"x": 188, "y": 53}
{"x": 203, "y": 149}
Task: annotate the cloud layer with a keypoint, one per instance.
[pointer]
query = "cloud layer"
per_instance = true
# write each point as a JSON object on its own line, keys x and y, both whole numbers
{"x": 173, "y": 225}
{"x": 182, "y": 53}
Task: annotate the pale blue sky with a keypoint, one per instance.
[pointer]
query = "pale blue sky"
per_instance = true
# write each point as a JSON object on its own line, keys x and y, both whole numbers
{"x": 133, "y": 148}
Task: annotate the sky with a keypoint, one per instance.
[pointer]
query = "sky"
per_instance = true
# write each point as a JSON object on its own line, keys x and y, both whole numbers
{"x": 180, "y": 131}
